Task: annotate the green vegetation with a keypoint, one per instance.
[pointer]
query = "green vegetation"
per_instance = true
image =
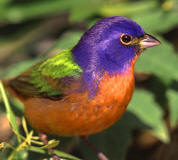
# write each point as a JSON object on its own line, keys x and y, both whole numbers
{"x": 34, "y": 30}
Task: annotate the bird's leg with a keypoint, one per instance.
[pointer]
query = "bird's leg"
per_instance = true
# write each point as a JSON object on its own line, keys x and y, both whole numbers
{"x": 100, "y": 155}
{"x": 72, "y": 145}
{"x": 44, "y": 139}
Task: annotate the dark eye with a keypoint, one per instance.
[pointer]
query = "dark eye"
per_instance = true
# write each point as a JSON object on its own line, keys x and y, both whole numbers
{"x": 126, "y": 39}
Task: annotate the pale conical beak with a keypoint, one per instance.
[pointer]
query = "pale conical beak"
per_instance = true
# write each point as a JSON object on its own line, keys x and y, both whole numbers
{"x": 148, "y": 41}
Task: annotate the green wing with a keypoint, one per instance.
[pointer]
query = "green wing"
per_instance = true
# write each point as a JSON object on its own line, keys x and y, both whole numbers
{"x": 44, "y": 78}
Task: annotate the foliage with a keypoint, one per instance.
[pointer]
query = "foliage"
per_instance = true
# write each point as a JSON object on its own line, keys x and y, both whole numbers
{"x": 25, "y": 143}
{"x": 38, "y": 21}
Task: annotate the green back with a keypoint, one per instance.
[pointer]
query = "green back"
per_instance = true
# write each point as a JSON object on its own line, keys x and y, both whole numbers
{"x": 41, "y": 77}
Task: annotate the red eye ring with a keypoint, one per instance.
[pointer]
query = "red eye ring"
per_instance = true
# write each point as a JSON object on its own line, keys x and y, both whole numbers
{"x": 126, "y": 39}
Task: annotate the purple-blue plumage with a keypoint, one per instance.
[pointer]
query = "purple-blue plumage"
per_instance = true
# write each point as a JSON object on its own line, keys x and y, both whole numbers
{"x": 100, "y": 47}
{"x": 100, "y": 50}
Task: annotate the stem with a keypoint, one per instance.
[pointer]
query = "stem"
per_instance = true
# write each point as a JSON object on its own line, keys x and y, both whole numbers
{"x": 100, "y": 155}
{"x": 10, "y": 115}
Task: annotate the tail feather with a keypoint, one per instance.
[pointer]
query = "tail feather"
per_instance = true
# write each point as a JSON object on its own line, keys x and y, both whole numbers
{"x": 8, "y": 86}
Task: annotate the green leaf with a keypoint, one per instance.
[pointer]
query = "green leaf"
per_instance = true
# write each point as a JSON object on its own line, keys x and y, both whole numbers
{"x": 51, "y": 144}
{"x": 85, "y": 9}
{"x": 10, "y": 115}
{"x": 173, "y": 104}
{"x": 142, "y": 113}
{"x": 59, "y": 153}
{"x": 68, "y": 39}
{"x": 4, "y": 3}
{"x": 157, "y": 20}
{"x": 16, "y": 69}
{"x": 126, "y": 8}
{"x": 149, "y": 112}
{"x": 30, "y": 10}
{"x": 114, "y": 141}
{"x": 16, "y": 13}
{"x": 23, "y": 155}
{"x": 161, "y": 61}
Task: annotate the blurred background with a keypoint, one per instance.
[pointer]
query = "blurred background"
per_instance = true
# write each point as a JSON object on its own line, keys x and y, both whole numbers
{"x": 31, "y": 30}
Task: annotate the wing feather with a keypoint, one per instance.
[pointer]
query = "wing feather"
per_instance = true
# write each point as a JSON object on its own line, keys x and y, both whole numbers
{"x": 47, "y": 78}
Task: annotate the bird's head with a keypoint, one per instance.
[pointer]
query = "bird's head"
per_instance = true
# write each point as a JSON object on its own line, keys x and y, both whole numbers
{"x": 111, "y": 45}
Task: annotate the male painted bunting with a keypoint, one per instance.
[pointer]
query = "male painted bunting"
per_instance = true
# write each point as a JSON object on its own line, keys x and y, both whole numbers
{"x": 84, "y": 90}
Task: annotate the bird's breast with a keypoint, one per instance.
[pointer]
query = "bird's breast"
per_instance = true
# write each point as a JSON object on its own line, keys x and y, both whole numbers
{"x": 77, "y": 114}
{"x": 115, "y": 89}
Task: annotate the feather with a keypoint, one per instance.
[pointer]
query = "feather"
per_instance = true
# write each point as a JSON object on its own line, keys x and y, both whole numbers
{"x": 47, "y": 78}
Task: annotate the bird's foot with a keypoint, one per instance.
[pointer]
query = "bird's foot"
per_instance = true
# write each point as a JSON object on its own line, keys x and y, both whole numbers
{"x": 44, "y": 139}
{"x": 100, "y": 155}
{"x": 55, "y": 157}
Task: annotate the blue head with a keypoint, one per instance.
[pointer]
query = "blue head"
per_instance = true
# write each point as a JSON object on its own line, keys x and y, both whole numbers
{"x": 110, "y": 46}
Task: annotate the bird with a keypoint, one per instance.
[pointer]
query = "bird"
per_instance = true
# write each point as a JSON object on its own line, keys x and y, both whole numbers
{"x": 84, "y": 89}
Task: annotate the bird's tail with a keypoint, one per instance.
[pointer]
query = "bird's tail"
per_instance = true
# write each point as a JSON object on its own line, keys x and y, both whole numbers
{"x": 8, "y": 87}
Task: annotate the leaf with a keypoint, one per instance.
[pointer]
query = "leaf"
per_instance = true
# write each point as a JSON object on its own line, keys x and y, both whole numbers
{"x": 16, "y": 69}
{"x": 85, "y": 9}
{"x": 149, "y": 112}
{"x": 24, "y": 124}
{"x": 126, "y": 8}
{"x": 17, "y": 13}
{"x": 114, "y": 141}
{"x": 10, "y": 115}
{"x": 173, "y": 104}
{"x": 51, "y": 144}
{"x": 21, "y": 155}
{"x": 157, "y": 20}
{"x": 68, "y": 39}
{"x": 5, "y": 145}
{"x": 161, "y": 61}
{"x": 142, "y": 113}
{"x": 59, "y": 153}
{"x": 146, "y": 13}
{"x": 4, "y": 2}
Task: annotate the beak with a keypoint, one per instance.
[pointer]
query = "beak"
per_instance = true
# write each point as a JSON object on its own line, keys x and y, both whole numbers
{"x": 148, "y": 41}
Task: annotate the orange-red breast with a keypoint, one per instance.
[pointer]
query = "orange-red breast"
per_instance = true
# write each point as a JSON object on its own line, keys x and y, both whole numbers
{"x": 84, "y": 90}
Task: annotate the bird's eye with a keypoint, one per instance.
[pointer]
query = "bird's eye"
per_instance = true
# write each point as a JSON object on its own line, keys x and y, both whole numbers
{"x": 126, "y": 39}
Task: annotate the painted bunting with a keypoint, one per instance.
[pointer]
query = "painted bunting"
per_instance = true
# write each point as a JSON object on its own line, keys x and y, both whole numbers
{"x": 84, "y": 90}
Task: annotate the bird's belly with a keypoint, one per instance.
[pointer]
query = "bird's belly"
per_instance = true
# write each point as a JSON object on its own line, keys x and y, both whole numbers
{"x": 78, "y": 115}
